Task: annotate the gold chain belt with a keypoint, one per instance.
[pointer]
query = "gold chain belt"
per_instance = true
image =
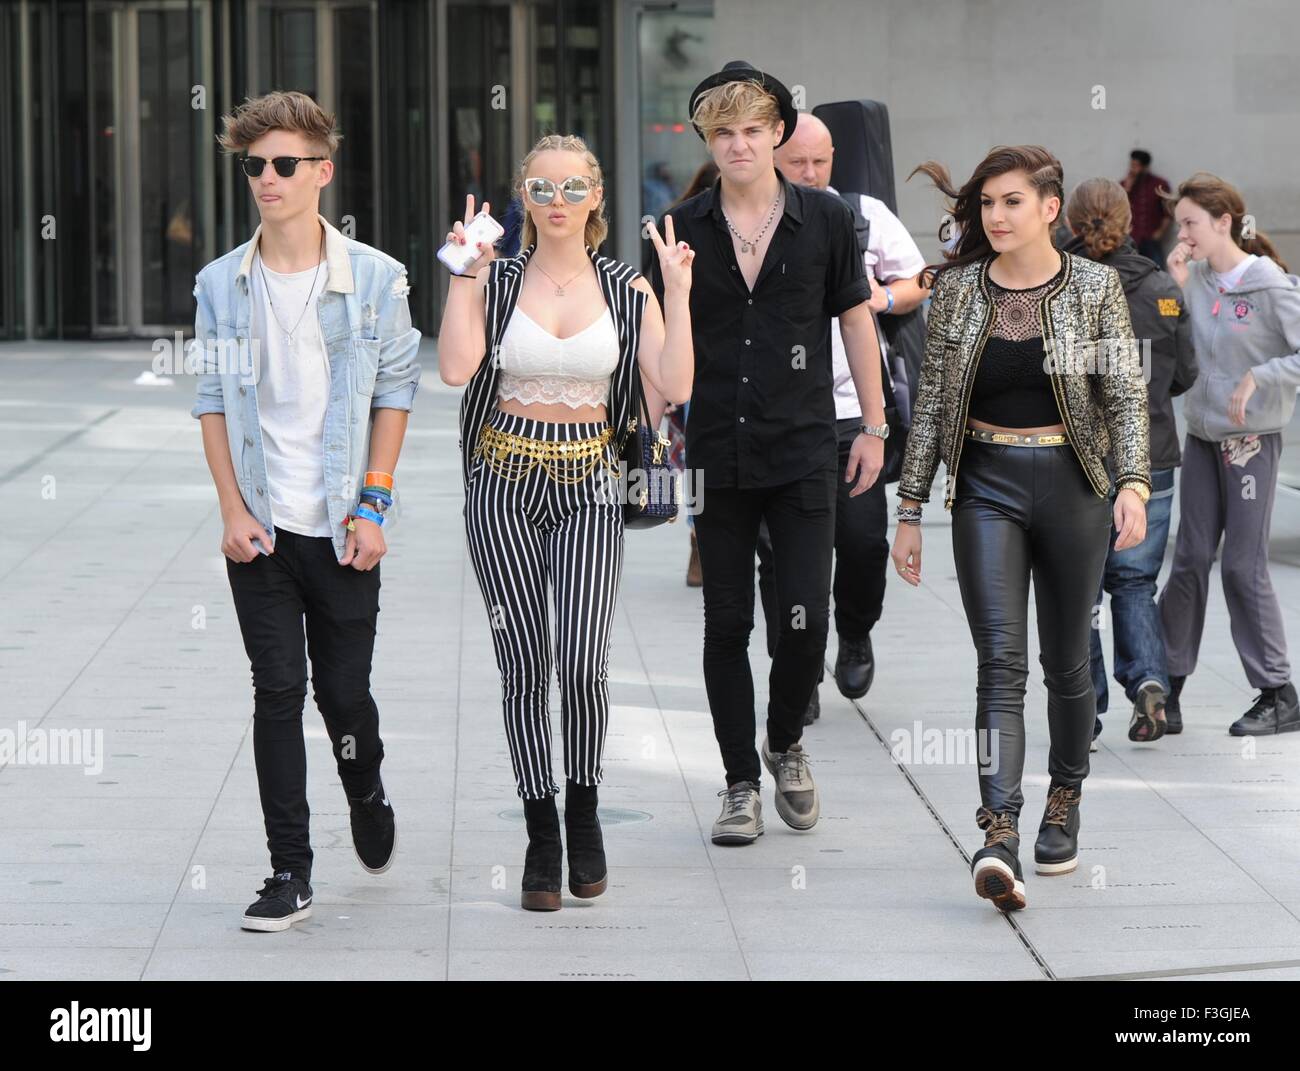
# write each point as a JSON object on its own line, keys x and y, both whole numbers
{"x": 1008, "y": 438}
{"x": 570, "y": 461}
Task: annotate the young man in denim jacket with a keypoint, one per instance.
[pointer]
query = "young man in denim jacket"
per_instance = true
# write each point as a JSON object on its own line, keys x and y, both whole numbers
{"x": 307, "y": 371}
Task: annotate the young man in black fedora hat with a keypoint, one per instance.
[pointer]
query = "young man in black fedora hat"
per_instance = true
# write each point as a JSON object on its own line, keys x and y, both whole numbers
{"x": 774, "y": 263}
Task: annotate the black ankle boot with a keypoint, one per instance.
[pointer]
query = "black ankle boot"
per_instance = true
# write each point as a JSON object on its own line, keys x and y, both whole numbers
{"x": 543, "y": 862}
{"x": 996, "y": 866}
{"x": 1276, "y": 710}
{"x": 1173, "y": 707}
{"x": 1057, "y": 849}
{"x": 588, "y": 875}
{"x": 855, "y": 667}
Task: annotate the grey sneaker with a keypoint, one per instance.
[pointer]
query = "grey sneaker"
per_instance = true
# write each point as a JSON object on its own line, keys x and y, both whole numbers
{"x": 741, "y": 820}
{"x": 796, "y": 795}
{"x": 1148, "y": 721}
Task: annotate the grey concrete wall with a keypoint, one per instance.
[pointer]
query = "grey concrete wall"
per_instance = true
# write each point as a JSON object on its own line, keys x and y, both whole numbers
{"x": 1198, "y": 83}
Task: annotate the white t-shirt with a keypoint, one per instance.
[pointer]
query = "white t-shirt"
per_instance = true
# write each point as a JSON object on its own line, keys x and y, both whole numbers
{"x": 1228, "y": 280}
{"x": 292, "y": 394}
{"x": 891, "y": 254}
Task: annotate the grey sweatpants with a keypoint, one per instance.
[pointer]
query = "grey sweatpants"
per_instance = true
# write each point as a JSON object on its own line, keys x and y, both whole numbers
{"x": 1226, "y": 490}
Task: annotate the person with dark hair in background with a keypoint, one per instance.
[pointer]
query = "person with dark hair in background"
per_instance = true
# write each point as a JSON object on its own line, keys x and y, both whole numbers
{"x": 1150, "y": 220}
{"x": 1245, "y": 311}
{"x": 1099, "y": 216}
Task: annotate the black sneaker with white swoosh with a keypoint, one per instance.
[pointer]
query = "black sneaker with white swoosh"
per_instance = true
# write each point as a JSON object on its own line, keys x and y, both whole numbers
{"x": 283, "y": 900}
{"x": 374, "y": 830}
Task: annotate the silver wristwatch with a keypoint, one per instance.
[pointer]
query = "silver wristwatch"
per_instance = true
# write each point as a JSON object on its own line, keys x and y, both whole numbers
{"x": 881, "y": 431}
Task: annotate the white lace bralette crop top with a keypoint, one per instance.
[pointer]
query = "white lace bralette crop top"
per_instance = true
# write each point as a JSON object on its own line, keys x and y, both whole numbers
{"x": 535, "y": 366}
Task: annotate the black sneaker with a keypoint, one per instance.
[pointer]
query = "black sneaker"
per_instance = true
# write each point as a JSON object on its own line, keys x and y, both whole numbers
{"x": 996, "y": 866}
{"x": 283, "y": 900}
{"x": 1096, "y": 732}
{"x": 1276, "y": 710}
{"x": 374, "y": 831}
{"x": 855, "y": 667}
{"x": 1173, "y": 711}
{"x": 1057, "y": 849}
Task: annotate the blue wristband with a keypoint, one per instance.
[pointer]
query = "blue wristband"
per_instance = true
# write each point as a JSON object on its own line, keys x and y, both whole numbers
{"x": 364, "y": 513}
{"x": 890, "y": 295}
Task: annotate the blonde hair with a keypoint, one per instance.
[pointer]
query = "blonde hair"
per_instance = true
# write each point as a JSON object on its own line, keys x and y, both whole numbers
{"x": 731, "y": 103}
{"x": 597, "y": 226}
{"x": 280, "y": 110}
{"x": 1099, "y": 214}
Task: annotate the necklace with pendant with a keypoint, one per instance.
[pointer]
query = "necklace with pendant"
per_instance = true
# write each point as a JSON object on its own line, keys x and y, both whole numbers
{"x": 559, "y": 287}
{"x": 290, "y": 339}
{"x": 750, "y": 245}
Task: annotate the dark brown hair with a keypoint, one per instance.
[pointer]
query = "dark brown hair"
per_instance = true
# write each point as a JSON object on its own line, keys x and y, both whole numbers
{"x": 703, "y": 179}
{"x": 1218, "y": 197}
{"x": 1045, "y": 176}
{"x": 1099, "y": 214}
{"x": 292, "y": 111}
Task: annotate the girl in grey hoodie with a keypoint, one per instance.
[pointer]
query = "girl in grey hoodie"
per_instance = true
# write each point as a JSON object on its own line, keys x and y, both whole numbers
{"x": 1245, "y": 314}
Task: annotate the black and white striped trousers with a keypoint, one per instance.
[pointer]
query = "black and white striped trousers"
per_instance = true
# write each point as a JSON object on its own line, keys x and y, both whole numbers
{"x": 524, "y": 534}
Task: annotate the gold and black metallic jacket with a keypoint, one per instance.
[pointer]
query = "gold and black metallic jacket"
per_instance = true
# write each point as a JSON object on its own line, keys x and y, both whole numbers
{"x": 1093, "y": 360}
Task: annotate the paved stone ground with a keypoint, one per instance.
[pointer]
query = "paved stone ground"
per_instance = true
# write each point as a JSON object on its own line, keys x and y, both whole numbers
{"x": 1190, "y": 860}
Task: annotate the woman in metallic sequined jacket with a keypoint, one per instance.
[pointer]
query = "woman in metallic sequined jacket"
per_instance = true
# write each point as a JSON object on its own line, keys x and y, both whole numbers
{"x": 1031, "y": 377}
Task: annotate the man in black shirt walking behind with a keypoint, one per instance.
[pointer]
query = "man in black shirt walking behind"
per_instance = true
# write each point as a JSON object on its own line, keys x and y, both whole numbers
{"x": 774, "y": 263}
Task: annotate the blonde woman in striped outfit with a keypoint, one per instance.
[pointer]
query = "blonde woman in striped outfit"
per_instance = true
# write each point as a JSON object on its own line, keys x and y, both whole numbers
{"x": 541, "y": 426}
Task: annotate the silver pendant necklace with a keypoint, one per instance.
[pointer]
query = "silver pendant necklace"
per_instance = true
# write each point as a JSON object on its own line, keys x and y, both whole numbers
{"x": 750, "y": 245}
{"x": 290, "y": 335}
{"x": 559, "y": 287}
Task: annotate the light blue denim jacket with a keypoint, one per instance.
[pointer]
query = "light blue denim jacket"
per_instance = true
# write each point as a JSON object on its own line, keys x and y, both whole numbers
{"x": 365, "y": 324}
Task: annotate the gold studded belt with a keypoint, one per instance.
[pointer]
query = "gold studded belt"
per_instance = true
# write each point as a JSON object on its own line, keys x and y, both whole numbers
{"x": 1008, "y": 438}
{"x": 566, "y": 461}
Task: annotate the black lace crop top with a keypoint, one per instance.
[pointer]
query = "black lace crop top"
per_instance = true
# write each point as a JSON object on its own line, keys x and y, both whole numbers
{"x": 1012, "y": 388}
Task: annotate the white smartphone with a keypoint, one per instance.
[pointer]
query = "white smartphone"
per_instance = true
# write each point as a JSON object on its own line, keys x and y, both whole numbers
{"x": 482, "y": 228}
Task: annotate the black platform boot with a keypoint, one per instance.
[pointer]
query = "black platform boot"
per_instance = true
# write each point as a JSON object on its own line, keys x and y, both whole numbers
{"x": 543, "y": 862}
{"x": 588, "y": 875}
{"x": 996, "y": 866}
{"x": 1057, "y": 849}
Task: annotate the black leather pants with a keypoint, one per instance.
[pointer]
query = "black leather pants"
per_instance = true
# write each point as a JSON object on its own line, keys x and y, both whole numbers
{"x": 1022, "y": 511}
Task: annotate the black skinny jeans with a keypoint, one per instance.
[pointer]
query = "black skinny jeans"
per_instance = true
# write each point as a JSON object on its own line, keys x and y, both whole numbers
{"x": 1022, "y": 511}
{"x": 274, "y": 595}
{"x": 801, "y": 519}
{"x": 861, "y": 554}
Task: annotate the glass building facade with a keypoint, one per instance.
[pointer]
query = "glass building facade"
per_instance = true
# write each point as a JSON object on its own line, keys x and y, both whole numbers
{"x": 113, "y": 191}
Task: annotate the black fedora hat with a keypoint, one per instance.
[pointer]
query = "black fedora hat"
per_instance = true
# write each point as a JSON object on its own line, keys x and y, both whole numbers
{"x": 743, "y": 71}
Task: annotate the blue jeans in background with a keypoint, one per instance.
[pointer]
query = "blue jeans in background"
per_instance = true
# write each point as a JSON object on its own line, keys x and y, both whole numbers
{"x": 1130, "y": 578}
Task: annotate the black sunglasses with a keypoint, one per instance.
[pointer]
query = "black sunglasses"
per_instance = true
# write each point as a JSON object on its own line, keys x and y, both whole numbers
{"x": 285, "y": 166}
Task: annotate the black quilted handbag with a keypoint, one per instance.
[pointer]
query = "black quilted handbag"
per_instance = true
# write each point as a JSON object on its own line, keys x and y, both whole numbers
{"x": 650, "y": 484}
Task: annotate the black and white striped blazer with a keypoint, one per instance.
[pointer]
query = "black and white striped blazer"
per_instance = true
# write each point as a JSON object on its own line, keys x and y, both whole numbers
{"x": 505, "y": 276}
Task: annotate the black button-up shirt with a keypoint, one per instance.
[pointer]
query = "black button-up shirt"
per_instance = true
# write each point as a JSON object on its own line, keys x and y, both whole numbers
{"x": 762, "y": 406}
